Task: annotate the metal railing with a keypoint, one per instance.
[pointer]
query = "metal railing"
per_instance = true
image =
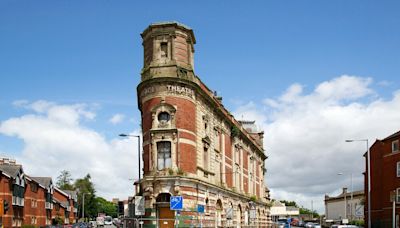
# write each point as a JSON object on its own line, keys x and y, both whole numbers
{"x": 186, "y": 222}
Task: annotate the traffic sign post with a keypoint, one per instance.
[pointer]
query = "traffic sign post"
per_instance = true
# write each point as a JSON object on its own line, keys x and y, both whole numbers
{"x": 176, "y": 203}
{"x": 200, "y": 210}
{"x": 139, "y": 206}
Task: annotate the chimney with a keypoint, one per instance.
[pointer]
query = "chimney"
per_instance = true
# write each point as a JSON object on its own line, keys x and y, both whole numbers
{"x": 344, "y": 191}
{"x": 7, "y": 161}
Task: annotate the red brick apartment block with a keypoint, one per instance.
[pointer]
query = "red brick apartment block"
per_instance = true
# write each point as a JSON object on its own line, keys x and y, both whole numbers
{"x": 385, "y": 181}
{"x": 33, "y": 200}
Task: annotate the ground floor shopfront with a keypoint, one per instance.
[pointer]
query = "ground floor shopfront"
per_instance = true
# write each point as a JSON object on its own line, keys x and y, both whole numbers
{"x": 222, "y": 207}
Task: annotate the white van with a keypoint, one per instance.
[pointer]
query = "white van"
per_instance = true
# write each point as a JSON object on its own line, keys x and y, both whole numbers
{"x": 108, "y": 220}
{"x": 99, "y": 221}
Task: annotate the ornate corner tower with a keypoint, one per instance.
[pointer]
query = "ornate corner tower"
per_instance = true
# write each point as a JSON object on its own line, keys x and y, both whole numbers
{"x": 192, "y": 146}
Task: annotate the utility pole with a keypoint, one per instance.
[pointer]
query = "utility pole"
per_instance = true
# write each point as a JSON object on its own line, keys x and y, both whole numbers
{"x": 312, "y": 210}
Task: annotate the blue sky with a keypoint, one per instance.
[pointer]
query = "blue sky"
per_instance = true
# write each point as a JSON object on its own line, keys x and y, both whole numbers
{"x": 90, "y": 53}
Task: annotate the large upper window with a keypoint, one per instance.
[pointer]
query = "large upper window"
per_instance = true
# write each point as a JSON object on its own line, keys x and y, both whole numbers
{"x": 395, "y": 146}
{"x": 398, "y": 195}
{"x": 163, "y": 155}
{"x": 398, "y": 169}
{"x": 205, "y": 158}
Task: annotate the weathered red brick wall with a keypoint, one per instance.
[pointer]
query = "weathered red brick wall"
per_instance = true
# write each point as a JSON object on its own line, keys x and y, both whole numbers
{"x": 61, "y": 198}
{"x": 181, "y": 50}
{"x": 384, "y": 179}
{"x": 41, "y": 218}
{"x": 246, "y": 184}
{"x": 146, "y": 126}
{"x": 245, "y": 155}
{"x": 185, "y": 113}
{"x": 146, "y": 113}
{"x": 229, "y": 177}
{"x": 32, "y": 207}
{"x": 185, "y": 135}
{"x": 187, "y": 158}
{"x": 146, "y": 158}
{"x": 6, "y": 194}
{"x": 228, "y": 146}
{"x": 148, "y": 51}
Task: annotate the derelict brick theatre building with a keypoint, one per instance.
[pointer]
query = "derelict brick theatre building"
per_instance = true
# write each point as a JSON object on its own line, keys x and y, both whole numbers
{"x": 192, "y": 146}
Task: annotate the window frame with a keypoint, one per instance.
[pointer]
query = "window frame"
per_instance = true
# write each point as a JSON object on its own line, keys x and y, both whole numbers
{"x": 161, "y": 114}
{"x": 398, "y": 195}
{"x": 206, "y": 158}
{"x": 397, "y": 149}
{"x": 398, "y": 169}
{"x": 164, "y": 153}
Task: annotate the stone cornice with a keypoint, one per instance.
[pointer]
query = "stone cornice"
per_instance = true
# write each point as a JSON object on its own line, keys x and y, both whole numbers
{"x": 181, "y": 180}
{"x": 213, "y": 102}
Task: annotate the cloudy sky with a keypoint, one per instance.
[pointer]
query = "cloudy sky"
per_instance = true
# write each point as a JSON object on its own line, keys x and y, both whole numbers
{"x": 311, "y": 73}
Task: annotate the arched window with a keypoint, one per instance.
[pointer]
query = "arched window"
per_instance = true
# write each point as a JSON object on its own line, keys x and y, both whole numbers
{"x": 163, "y": 198}
{"x": 163, "y": 155}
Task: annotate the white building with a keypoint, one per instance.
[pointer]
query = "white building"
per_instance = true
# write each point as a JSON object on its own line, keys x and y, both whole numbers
{"x": 280, "y": 210}
{"x": 345, "y": 206}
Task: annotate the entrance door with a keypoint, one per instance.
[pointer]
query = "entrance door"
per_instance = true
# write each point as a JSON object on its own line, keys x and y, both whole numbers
{"x": 166, "y": 217}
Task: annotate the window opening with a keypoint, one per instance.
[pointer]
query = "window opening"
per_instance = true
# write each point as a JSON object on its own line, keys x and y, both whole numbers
{"x": 164, "y": 117}
{"x": 164, "y": 49}
{"x": 164, "y": 155}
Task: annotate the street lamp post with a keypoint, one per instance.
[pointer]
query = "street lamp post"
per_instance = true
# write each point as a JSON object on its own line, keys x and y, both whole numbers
{"x": 83, "y": 205}
{"x": 351, "y": 197}
{"x": 369, "y": 176}
{"x": 138, "y": 138}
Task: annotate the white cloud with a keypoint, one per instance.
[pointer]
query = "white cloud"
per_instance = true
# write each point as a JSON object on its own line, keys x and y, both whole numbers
{"x": 117, "y": 118}
{"x": 305, "y": 136}
{"x": 55, "y": 139}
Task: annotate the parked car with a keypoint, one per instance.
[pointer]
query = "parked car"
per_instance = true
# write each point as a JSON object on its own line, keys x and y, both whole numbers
{"x": 344, "y": 226}
{"x": 279, "y": 225}
{"x": 309, "y": 225}
{"x": 301, "y": 223}
{"x": 316, "y": 225}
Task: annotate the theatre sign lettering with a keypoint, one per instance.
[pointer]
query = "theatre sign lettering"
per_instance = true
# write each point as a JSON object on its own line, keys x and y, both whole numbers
{"x": 174, "y": 89}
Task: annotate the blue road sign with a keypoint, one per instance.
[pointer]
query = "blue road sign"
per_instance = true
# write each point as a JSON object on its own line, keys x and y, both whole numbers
{"x": 200, "y": 208}
{"x": 176, "y": 203}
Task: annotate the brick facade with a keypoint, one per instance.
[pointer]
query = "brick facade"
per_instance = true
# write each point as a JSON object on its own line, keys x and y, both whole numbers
{"x": 192, "y": 146}
{"x": 28, "y": 206}
{"x": 385, "y": 181}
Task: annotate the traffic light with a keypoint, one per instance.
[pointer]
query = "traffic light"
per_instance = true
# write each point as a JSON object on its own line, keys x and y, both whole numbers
{"x": 5, "y": 206}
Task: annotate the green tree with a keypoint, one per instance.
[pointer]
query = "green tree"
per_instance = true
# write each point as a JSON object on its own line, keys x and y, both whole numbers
{"x": 104, "y": 206}
{"x": 306, "y": 211}
{"x": 64, "y": 181}
{"x": 84, "y": 186}
{"x": 289, "y": 203}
